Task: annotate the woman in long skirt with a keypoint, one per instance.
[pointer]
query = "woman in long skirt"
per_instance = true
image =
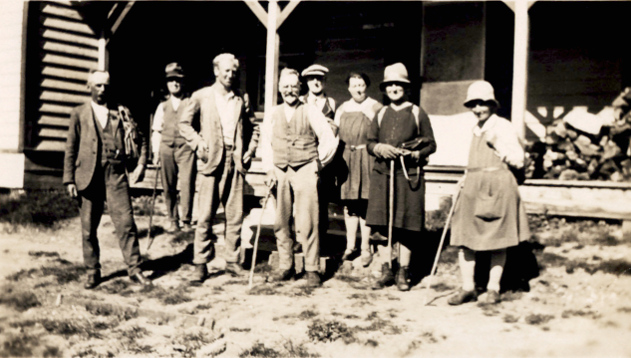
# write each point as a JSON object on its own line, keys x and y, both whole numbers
{"x": 353, "y": 118}
{"x": 398, "y": 123}
{"x": 489, "y": 214}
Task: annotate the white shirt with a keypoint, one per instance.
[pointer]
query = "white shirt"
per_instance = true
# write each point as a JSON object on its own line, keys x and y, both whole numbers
{"x": 327, "y": 141}
{"x": 502, "y": 136}
{"x": 366, "y": 107}
{"x": 101, "y": 112}
{"x": 225, "y": 107}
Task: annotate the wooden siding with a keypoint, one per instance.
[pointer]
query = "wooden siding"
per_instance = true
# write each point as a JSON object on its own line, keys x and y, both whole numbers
{"x": 68, "y": 52}
{"x": 11, "y": 40}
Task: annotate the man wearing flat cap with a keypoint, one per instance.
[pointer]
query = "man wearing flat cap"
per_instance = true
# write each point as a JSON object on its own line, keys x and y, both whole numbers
{"x": 216, "y": 124}
{"x": 98, "y": 151}
{"x": 315, "y": 75}
{"x": 177, "y": 160}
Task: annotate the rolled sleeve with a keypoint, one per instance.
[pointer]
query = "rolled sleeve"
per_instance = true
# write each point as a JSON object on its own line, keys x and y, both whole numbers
{"x": 327, "y": 141}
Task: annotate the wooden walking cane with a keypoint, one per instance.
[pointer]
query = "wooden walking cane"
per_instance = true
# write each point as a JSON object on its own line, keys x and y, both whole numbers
{"x": 153, "y": 203}
{"x": 391, "y": 212}
{"x": 442, "y": 240}
{"x": 258, "y": 233}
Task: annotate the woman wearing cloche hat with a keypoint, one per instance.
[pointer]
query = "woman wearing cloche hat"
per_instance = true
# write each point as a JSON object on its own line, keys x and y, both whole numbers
{"x": 399, "y": 135}
{"x": 489, "y": 214}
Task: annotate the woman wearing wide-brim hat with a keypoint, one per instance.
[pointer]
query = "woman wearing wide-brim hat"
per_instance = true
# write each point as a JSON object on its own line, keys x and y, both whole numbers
{"x": 489, "y": 214}
{"x": 398, "y": 123}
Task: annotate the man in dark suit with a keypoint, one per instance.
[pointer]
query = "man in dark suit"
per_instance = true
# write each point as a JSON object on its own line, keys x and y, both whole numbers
{"x": 95, "y": 171}
{"x": 225, "y": 143}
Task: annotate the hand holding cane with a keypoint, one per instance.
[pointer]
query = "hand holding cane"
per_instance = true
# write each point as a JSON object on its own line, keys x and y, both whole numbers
{"x": 270, "y": 187}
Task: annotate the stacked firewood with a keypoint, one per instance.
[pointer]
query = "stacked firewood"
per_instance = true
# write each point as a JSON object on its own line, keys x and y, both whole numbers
{"x": 569, "y": 153}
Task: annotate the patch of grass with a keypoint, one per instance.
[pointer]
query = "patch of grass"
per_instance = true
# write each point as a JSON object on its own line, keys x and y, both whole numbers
{"x": 259, "y": 349}
{"x": 300, "y": 291}
{"x": 239, "y": 329}
{"x": 371, "y": 343}
{"x": 203, "y": 306}
{"x": 132, "y": 333}
{"x": 264, "y": 290}
{"x": 511, "y": 296}
{"x": 379, "y": 324}
{"x": 123, "y": 314}
{"x": 449, "y": 255}
{"x": 19, "y": 345}
{"x": 346, "y": 278}
{"x": 218, "y": 289}
{"x": 120, "y": 286}
{"x": 442, "y": 287}
{"x": 37, "y": 208}
{"x": 538, "y": 319}
{"x": 307, "y": 314}
{"x": 263, "y": 268}
{"x": 509, "y": 318}
{"x": 580, "y": 313}
{"x": 329, "y": 331}
{"x": 63, "y": 273}
{"x": 351, "y": 316}
{"x": 69, "y": 327}
{"x": 39, "y": 254}
{"x": 297, "y": 350}
{"x": 173, "y": 296}
{"x": 193, "y": 341}
{"x": 624, "y": 310}
{"x": 18, "y": 299}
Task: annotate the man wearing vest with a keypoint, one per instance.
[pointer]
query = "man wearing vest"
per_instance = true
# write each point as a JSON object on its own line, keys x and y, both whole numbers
{"x": 94, "y": 171}
{"x": 225, "y": 145}
{"x": 315, "y": 75}
{"x": 297, "y": 143}
{"x": 176, "y": 158}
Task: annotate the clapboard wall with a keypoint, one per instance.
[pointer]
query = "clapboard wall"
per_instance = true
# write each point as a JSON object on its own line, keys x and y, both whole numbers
{"x": 67, "y": 53}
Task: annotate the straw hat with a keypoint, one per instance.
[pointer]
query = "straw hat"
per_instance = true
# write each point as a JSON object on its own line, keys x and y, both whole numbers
{"x": 395, "y": 73}
{"x": 481, "y": 91}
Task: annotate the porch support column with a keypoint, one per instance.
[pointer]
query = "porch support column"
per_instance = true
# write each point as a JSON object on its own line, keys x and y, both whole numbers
{"x": 271, "y": 57}
{"x": 102, "y": 52}
{"x": 520, "y": 66}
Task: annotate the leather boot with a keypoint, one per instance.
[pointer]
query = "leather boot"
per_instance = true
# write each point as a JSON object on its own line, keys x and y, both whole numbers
{"x": 403, "y": 283}
{"x": 199, "y": 275}
{"x": 386, "y": 279}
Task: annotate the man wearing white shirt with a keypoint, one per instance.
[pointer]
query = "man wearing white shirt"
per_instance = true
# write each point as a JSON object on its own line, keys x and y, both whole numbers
{"x": 297, "y": 142}
{"x": 95, "y": 164}
{"x": 216, "y": 124}
{"x": 177, "y": 160}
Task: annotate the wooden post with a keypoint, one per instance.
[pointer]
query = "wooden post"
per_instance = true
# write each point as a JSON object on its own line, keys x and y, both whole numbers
{"x": 271, "y": 57}
{"x": 520, "y": 66}
{"x": 102, "y": 60}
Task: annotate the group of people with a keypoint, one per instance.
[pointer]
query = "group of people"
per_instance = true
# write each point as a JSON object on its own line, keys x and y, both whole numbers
{"x": 372, "y": 155}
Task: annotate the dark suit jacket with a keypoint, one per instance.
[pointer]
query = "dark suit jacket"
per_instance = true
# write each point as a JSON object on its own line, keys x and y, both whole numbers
{"x": 201, "y": 112}
{"x": 82, "y": 145}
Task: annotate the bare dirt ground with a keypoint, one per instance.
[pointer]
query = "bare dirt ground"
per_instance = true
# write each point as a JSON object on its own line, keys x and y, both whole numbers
{"x": 579, "y": 305}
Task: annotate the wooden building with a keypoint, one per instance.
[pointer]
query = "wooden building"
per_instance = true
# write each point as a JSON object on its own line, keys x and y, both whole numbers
{"x": 546, "y": 59}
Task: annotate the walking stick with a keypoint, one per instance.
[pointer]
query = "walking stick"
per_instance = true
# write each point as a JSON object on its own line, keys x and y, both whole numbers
{"x": 391, "y": 212}
{"x": 153, "y": 203}
{"x": 258, "y": 233}
{"x": 442, "y": 240}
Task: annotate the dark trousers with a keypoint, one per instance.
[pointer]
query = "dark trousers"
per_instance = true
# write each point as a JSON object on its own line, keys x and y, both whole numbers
{"x": 108, "y": 184}
{"x": 178, "y": 166}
